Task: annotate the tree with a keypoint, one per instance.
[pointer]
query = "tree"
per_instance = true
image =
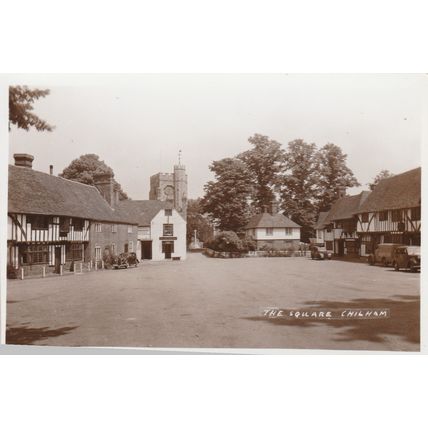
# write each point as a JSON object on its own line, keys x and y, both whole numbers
{"x": 384, "y": 173}
{"x": 264, "y": 162}
{"x": 227, "y": 198}
{"x": 197, "y": 221}
{"x": 21, "y": 100}
{"x": 298, "y": 185}
{"x": 334, "y": 175}
{"x": 86, "y": 167}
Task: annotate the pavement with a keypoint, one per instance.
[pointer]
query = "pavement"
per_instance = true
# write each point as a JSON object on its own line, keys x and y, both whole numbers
{"x": 217, "y": 303}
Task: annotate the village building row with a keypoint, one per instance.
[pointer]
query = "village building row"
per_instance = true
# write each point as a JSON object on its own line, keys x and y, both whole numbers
{"x": 54, "y": 222}
{"x": 391, "y": 213}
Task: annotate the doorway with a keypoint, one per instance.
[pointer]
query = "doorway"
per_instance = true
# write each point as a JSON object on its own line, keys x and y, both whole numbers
{"x": 58, "y": 260}
{"x": 167, "y": 249}
{"x": 146, "y": 250}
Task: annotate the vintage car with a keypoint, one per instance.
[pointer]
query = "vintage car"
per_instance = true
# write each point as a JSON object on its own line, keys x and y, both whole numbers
{"x": 125, "y": 260}
{"x": 383, "y": 254}
{"x": 319, "y": 252}
{"x": 407, "y": 257}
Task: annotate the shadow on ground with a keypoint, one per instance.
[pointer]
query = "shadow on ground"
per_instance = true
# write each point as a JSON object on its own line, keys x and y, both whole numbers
{"x": 404, "y": 319}
{"x": 29, "y": 335}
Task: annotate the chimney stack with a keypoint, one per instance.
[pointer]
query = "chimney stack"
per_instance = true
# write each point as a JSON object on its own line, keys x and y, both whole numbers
{"x": 274, "y": 207}
{"x": 341, "y": 192}
{"x": 104, "y": 183}
{"x": 51, "y": 169}
{"x": 23, "y": 159}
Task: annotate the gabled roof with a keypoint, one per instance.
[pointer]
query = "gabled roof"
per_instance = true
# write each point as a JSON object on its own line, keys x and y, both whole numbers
{"x": 269, "y": 220}
{"x": 347, "y": 207}
{"x": 400, "y": 191}
{"x": 321, "y": 222}
{"x": 142, "y": 212}
{"x": 35, "y": 192}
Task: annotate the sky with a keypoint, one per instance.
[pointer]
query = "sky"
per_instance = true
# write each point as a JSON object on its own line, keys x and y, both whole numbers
{"x": 138, "y": 123}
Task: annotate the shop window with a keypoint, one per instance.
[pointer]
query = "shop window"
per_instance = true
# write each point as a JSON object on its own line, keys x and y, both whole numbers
{"x": 35, "y": 254}
{"x": 74, "y": 252}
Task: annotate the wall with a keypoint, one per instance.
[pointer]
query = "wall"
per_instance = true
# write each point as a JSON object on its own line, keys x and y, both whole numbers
{"x": 278, "y": 233}
{"x": 375, "y": 225}
{"x": 106, "y": 237}
{"x": 156, "y": 231}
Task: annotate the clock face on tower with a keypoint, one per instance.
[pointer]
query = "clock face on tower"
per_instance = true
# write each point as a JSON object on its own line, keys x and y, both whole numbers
{"x": 169, "y": 192}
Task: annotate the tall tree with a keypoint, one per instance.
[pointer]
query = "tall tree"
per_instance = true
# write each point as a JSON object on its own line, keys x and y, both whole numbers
{"x": 298, "y": 185}
{"x": 196, "y": 220}
{"x": 226, "y": 199}
{"x": 264, "y": 162}
{"x": 21, "y": 100}
{"x": 86, "y": 167}
{"x": 384, "y": 173}
{"x": 334, "y": 175}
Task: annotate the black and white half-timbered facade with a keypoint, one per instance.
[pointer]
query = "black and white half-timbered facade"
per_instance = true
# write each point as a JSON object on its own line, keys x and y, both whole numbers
{"x": 392, "y": 212}
{"x": 53, "y": 222}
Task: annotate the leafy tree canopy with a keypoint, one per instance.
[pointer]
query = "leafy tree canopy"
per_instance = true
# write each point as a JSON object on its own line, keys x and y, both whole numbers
{"x": 86, "y": 167}
{"x": 21, "y": 100}
{"x": 196, "y": 220}
{"x": 384, "y": 173}
{"x": 227, "y": 198}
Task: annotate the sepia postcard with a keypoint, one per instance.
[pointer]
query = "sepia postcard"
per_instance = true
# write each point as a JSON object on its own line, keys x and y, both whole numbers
{"x": 214, "y": 211}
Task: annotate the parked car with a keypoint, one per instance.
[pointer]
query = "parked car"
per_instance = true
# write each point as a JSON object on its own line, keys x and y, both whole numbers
{"x": 407, "y": 257}
{"x": 319, "y": 252}
{"x": 383, "y": 254}
{"x": 125, "y": 260}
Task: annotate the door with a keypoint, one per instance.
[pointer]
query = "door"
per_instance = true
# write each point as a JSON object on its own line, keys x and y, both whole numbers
{"x": 341, "y": 247}
{"x": 146, "y": 250}
{"x": 167, "y": 249}
{"x": 57, "y": 260}
{"x": 125, "y": 248}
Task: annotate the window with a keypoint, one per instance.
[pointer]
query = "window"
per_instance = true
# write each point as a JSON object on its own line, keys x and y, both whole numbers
{"x": 64, "y": 226}
{"x": 168, "y": 230}
{"x": 397, "y": 215}
{"x": 168, "y": 212}
{"x": 131, "y": 246}
{"x": 415, "y": 213}
{"x": 365, "y": 217}
{"x": 97, "y": 253}
{"x": 383, "y": 216}
{"x": 339, "y": 225}
{"x": 114, "y": 228}
{"x": 269, "y": 231}
{"x": 74, "y": 252}
{"x": 35, "y": 254}
{"x": 289, "y": 231}
{"x": 130, "y": 228}
{"x": 97, "y": 227}
{"x": 78, "y": 224}
{"x": 38, "y": 222}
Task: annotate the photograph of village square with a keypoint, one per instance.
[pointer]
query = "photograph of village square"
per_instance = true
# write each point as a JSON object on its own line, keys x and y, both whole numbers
{"x": 215, "y": 211}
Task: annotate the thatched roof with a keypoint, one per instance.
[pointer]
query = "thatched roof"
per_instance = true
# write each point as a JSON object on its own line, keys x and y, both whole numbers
{"x": 35, "y": 192}
{"x": 269, "y": 220}
{"x": 400, "y": 191}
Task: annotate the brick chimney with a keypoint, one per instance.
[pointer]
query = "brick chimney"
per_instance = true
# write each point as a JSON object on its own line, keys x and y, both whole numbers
{"x": 341, "y": 192}
{"x": 274, "y": 207}
{"x": 51, "y": 169}
{"x": 104, "y": 183}
{"x": 23, "y": 159}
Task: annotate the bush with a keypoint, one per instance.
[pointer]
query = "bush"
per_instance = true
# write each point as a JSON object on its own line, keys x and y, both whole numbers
{"x": 230, "y": 242}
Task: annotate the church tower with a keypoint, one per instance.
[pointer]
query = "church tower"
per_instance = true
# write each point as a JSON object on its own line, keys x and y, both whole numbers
{"x": 171, "y": 187}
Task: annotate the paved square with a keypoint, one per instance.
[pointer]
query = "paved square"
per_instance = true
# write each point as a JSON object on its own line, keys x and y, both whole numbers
{"x": 208, "y": 303}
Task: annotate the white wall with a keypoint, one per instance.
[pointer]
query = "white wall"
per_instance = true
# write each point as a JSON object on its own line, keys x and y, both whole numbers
{"x": 156, "y": 231}
{"x": 278, "y": 233}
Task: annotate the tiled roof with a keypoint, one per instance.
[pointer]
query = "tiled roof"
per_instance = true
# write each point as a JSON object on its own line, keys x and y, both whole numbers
{"x": 321, "y": 222}
{"x": 142, "y": 211}
{"x": 400, "y": 191}
{"x": 35, "y": 192}
{"x": 347, "y": 206}
{"x": 269, "y": 220}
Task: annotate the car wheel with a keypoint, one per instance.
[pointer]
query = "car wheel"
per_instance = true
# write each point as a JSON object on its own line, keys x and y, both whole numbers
{"x": 396, "y": 267}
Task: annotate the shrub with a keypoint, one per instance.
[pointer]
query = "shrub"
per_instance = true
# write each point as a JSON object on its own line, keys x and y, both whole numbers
{"x": 226, "y": 242}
